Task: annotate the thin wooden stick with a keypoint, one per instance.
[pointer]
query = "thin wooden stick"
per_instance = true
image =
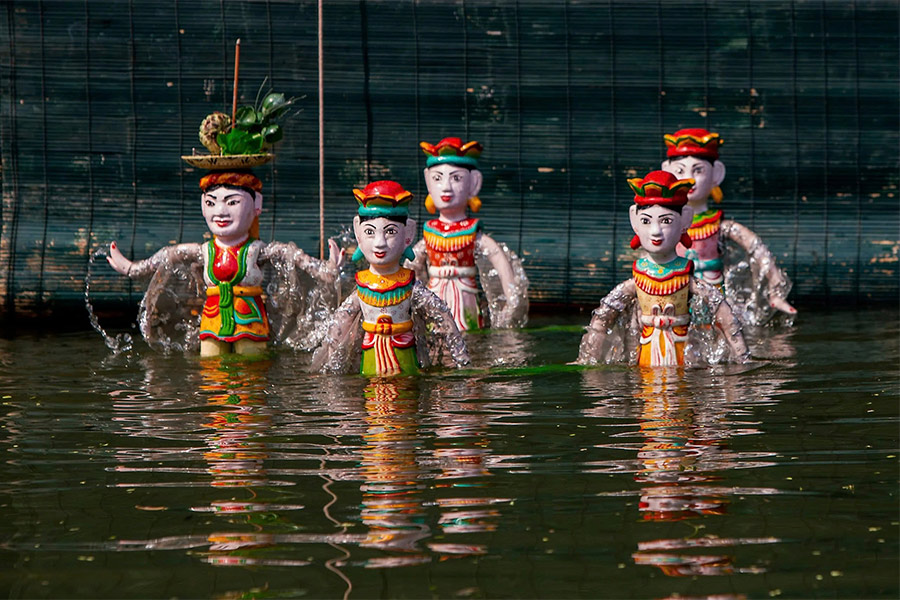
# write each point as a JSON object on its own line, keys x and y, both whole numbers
{"x": 237, "y": 60}
{"x": 321, "y": 143}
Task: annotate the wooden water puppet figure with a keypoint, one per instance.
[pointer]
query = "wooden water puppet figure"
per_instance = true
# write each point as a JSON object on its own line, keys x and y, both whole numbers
{"x": 753, "y": 284}
{"x": 213, "y": 293}
{"x": 661, "y": 285}
{"x": 393, "y": 324}
{"x": 456, "y": 259}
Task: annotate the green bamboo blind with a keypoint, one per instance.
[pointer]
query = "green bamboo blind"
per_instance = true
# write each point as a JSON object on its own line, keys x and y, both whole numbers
{"x": 99, "y": 98}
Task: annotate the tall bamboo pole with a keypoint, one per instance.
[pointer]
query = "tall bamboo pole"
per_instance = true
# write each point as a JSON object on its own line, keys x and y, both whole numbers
{"x": 234, "y": 94}
{"x": 321, "y": 141}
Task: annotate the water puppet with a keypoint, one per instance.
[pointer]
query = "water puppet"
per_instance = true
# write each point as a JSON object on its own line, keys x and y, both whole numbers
{"x": 392, "y": 324}
{"x": 745, "y": 270}
{"x": 662, "y": 301}
{"x": 234, "y": 293}
{"x": 455, "y": 257}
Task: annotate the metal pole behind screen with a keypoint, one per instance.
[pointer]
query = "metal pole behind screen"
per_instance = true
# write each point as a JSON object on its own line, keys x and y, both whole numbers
{"x": 321, "y": 141}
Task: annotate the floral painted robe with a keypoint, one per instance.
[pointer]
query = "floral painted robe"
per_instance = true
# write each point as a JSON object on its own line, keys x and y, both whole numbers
{"x": 663, "y": 294}
{"x": 452, "y": 273}
{"x": 234, "y": 307}
{"x": 389, "y": 345}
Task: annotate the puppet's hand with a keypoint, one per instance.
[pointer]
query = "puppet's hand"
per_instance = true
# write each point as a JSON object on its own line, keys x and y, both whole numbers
{"x": 117, "y": 260}
{"x": 335, "y": 254}
{"x": 781, "y": 304}
{"x": 776, "y": 292}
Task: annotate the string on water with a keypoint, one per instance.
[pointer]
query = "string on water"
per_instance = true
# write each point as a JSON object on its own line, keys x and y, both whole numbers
{"x": 134, "y": 138}
{"x": 614, "y": 262}
{"x": 90, "y": 130}
{"x": 46, "y": 186}
{"x": 180, "y": 122}
{"x": 568, "y": 271}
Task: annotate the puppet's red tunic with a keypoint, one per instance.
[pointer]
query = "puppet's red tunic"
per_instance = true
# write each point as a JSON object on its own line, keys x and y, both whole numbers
{"x": 234, "y": 308}
{"x": 452, "y": 274}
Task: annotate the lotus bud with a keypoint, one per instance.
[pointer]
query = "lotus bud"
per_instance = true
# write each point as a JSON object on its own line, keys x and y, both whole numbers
{"x": 211, "y": 126}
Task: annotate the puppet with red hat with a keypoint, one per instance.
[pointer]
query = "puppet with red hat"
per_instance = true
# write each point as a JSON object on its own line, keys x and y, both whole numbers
{"x": 456, "y": 259}
{"x": 661, "y": 285}
{"x": 725, "y": 253}
{"x": 392, "y": 324}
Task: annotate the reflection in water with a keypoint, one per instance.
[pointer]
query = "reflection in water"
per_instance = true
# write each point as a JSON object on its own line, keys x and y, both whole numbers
{"x": 396, "y": 463}
{"x": 404, "y": 464}
{"x": 676, "y": 455}
{"x": 462, "y": 455}
{"x": 135, "y": 475}
{"x": 236, "y": 455}
{"x": 234, "y": 424}
{"x": 392, "y": 493}
{"x": 684, "y": 420}
{"x": 675, "y": 471}
{"x": 684, "y": 448}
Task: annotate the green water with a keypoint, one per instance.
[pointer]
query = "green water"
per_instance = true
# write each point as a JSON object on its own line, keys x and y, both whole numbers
{"x": 147, "y": 476}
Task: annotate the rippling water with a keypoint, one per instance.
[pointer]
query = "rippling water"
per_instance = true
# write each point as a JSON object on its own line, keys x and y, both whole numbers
{"x": 146, "y": 476}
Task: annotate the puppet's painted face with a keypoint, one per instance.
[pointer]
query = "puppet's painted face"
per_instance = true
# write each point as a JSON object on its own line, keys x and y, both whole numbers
{"x": 706, "y": 176}
{"x": 383, "y": 241}
{"x": 450, "y": 186}
{"x": 229, "y": 211}
{"x": 659, "y": 227}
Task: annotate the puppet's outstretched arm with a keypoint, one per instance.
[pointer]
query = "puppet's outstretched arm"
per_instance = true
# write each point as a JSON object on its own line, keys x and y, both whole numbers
{"x": 777, "y": 284}
{"x": 144, "y": 268}
{"x": 593, "y": 346}
{"x": 726, "y": 321}
{"x": 332, "y": 355}
{"x": 442, "y": 330}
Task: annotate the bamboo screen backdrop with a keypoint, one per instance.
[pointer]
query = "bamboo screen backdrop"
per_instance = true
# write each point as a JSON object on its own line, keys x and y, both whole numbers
{"x": 569, "y": 98}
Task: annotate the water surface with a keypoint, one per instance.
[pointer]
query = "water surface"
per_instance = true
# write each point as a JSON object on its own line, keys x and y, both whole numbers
{"x": 151, "y": 476}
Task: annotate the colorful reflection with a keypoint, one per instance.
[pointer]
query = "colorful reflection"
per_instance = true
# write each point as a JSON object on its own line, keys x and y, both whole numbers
{"x": 461, "y": 456}
{"x": 392, "y": 503}
{"x": 236, "y": 459}
{"x": 236, "y": 393}
{"x": 672, "y": 459}
{"x": 683, "y": 450}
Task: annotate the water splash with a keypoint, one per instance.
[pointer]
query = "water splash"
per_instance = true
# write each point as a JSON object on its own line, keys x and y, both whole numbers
{"x": 618, "y": 340}
{"x": 122, "y": 342}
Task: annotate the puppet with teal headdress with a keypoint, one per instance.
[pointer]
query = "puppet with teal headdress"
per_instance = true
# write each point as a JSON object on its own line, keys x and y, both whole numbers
{"x": 392, "y": 324}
